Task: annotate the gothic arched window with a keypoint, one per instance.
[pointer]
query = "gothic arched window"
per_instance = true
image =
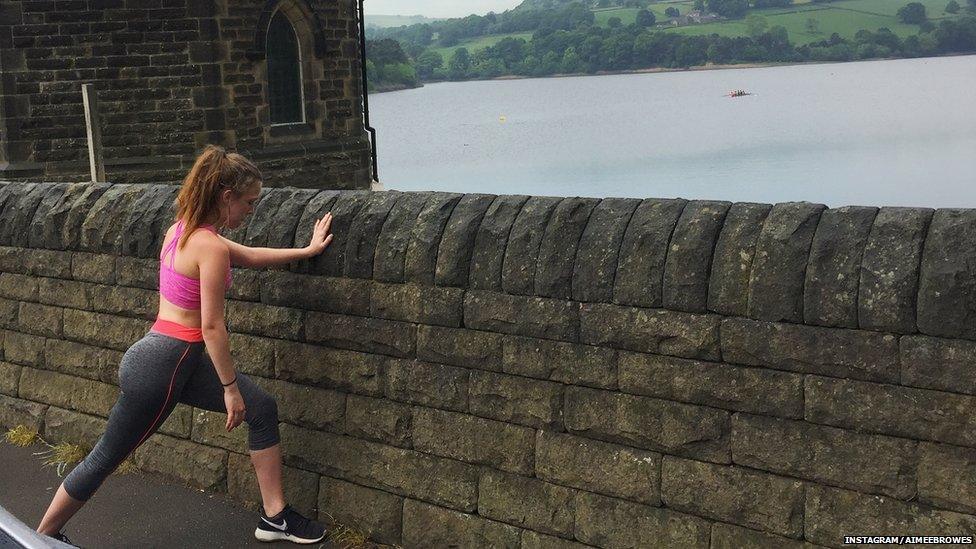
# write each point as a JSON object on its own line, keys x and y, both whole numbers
{"x": 284, "y": 71}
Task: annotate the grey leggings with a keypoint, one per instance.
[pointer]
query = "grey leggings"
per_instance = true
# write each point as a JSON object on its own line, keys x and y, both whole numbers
{"x": 156, "y": 373}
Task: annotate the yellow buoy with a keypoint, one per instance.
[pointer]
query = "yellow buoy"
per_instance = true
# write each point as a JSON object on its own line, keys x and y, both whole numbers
{"x": 502, "y": 118}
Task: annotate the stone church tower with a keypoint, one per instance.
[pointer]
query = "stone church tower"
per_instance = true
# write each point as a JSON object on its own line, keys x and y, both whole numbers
{"x": 279, "y": 81}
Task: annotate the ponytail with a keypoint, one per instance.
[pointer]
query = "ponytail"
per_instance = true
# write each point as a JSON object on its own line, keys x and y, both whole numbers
{"x": 214, "y": 170}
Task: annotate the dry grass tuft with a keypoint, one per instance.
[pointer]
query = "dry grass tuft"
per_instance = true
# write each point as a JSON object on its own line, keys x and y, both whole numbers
{"x": 22, "y": 436}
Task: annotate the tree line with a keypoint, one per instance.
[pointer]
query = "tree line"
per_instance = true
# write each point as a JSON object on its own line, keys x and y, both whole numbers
{"x": 576, "y": 45}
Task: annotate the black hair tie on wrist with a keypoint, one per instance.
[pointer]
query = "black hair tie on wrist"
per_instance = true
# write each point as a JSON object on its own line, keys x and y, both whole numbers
{"x": 233, "y": 381}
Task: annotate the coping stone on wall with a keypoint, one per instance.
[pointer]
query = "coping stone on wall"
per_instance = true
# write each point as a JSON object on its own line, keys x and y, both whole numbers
{"x": 599, "y": 249}
{"x": 947, "y": 281}
{"x": 689, "y": 255}
{"x": 778, "y": 272}
{"x": 728, "y": 285}
{"x": 488, "y": 253}
{"x": 640, "y": 266}
{"x": 394, "y": 238}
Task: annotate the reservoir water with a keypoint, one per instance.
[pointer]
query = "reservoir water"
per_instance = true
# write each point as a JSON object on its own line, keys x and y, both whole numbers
{"x": 883, "y": 133}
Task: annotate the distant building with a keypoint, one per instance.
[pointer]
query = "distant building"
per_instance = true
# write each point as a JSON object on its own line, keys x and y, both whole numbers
{"x": 279, "y": 81}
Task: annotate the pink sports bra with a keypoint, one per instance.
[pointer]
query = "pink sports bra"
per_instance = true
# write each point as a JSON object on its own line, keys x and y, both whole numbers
{"x": 178, "y": 289}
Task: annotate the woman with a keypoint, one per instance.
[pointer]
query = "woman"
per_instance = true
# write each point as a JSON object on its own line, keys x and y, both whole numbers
{"x": 168, "y": 365}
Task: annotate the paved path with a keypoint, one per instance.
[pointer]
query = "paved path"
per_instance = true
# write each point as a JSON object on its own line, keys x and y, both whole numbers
{"x": 134, "y": 510}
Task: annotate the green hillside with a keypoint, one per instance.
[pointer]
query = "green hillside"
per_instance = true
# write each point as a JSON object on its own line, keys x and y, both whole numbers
{"x": 385, "y": 21}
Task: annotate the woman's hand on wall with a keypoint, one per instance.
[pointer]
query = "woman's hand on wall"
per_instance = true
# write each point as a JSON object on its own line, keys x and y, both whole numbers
{"x": 321, "y": 238}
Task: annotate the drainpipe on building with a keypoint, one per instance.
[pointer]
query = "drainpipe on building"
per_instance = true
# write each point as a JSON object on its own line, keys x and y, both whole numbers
{"x": 375, "y": 184}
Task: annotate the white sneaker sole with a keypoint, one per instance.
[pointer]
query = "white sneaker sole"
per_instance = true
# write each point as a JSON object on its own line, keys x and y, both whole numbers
{"x": 264, "y": 535}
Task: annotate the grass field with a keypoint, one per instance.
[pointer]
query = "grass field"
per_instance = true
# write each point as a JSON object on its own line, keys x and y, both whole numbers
{"x": 845, "y": 18}
{"x": 383, "y": 21}
{"x": 479, "y": 43}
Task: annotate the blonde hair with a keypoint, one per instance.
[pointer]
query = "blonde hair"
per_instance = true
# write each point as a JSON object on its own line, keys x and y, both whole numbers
{"x": 214, "y": 170}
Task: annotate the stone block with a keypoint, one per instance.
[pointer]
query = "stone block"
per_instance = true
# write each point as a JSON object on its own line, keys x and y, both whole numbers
{"x": 535, "y": 540}
{"x": 867, "y": 463}
{"x": 65, "y": 293}
{"x": 265, "y": 217}
{"x": 147, "y": 219}
{"x": 403, "y": 472}
{"x": 427, "y": 384}
{"x": 66, "y": 426}
{"x": 344, "y": 211}
{"x": 282, "y": 233}
{"x": 643, "y": 250}
{"x": 945, "y": 477}
{"x": 659, "y": 425}
{"x": 77, "y": 359}
{"x": 9, "y": 378}
{"x": 728, "y": 536}
{"x": 830, "y": 514}
{"x": 37, "y": 319}
{"x": 735, "y": 250}
{"x": 416, "y": 303}
{"x": 733, "y": 494}
{"x": 47, "y": 263}
{"x": 374, "y": 512}
{"x": 891, "y": 410}
{"x": 23, "y": 349}
{"x": 516, "y": 400}
{"x": 9, "y": 311}
{"x": 265, "y": 320}
{"x": 813, "y": 350}
{"x": 18, "y": 287}
{"x": 194, "y": 464}
{"x": 776, "y": 282}
{"x": 122, "y": 301}
{"x": 557, "y": 250}
{"x": 609, "y": 522}
{"x": 889, "y": 270}
{"x": 689, "y": 258}
{"x": 316, "y": 293}
{"x": 15, "y": 412}
{"x": 430, "y": 526}
{"x": 936, "y": 363}
{"x": 317, "y": 206}
{"x": 460, "y": 347}
{"x": 102, "y": 230}
{"x": 50, "y": 227}
{"x": 519, "y": 265}
{"x": 527, "y": 502}
{"x": 364, "y": 232}
{"x": 330, "y": 368}
{"x": 310, "y": 407}
{"x": 570, "y": 363}
{"x": 457, "y": 243}
{"x": 300, "y": 486}
{"x": 209, "y": 428}
{"x": 246, "y": 284}
{"x": 379, "y": 420}
{"x": 138, "y": 273}
{"x": 12, "y": 260}
{"x": 474, "y": 440}
{"x": 830, "y": 292}
{"x": 394, "y": 238}
{"x": 253, "y": 355}
{"x": 656, "y": 331}
{"x": 529, "y": 316}
{"x": 420, "y": 261}
{"x": 755, "y": 390}
{"x": 488, "y": 250}
{"x": 102, "y": 330}
{"x": 19, "y": 202}
{"x": 947, "y": 278}
{"x": 595, "y": 266}
{"x": 73, "y": 393}
{"x": 369, "y": 335}
{"x": 599, "y": 467}
{"x": 98, "y": 268}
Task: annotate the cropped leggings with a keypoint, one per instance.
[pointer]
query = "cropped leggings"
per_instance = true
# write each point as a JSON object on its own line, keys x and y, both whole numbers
{"x": 156, "y": 373}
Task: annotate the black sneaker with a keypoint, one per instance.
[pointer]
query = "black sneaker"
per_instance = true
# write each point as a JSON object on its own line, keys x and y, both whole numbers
{"x": 63, "y": 538}
{"x": 289, "y": 525}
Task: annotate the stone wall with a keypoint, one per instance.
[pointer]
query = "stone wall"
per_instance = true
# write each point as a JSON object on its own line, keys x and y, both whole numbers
{"x": 172, "y": 76}
{"x": 512, "y": 371}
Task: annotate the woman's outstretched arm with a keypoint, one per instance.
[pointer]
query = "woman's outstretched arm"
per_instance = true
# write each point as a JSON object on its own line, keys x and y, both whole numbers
{"x": 256, "y": 258}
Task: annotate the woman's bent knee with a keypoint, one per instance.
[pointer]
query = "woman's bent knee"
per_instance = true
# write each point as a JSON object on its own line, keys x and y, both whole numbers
{"x": 262, "y": 420}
